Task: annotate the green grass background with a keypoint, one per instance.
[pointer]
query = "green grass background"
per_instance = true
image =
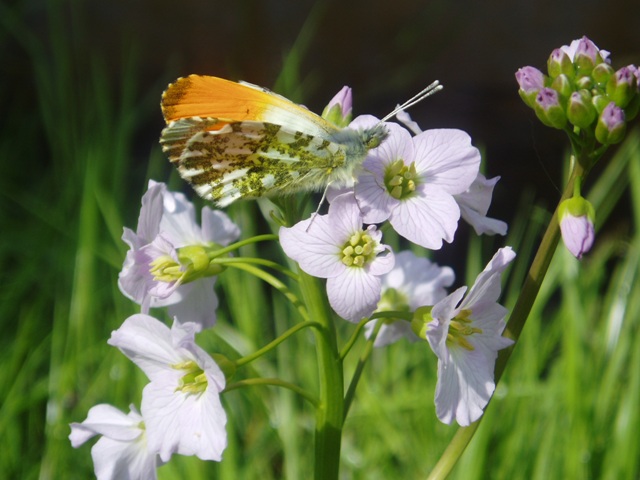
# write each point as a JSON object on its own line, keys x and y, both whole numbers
{"x": 567, "y": 407}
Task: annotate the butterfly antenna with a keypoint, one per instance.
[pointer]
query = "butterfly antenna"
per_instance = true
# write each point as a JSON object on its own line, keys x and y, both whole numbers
{"x": 417, "y": 98}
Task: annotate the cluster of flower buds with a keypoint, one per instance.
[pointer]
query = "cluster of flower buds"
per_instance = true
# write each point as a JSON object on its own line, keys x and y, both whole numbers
{"x": 582, "y": 89}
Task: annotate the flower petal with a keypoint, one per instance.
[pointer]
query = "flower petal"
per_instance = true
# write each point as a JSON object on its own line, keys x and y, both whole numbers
{"x": 446, "y": 158}
{"x": 427, "y": 217}
{"x": 354, "y": 294}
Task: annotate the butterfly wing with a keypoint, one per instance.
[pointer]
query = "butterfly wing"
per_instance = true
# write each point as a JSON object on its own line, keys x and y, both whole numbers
{"x": 232, "y": 140}
{"x": 249, "y": 159}
{"x": 211, "y": 97}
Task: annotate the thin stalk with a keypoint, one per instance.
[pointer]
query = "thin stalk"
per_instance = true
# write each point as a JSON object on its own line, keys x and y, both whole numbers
{"x": 275, "y": 382}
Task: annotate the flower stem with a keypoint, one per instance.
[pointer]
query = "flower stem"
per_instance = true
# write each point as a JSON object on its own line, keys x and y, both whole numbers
{"x": 276, "y": 382}
{"x": 516, "y": 322}
{"x": 329, "y": 413}
{"x": 271, "y": 345}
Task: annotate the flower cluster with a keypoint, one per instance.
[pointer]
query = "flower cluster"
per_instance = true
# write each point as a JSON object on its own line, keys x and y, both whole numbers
{"x": 420, "y": 184}
{"x": 582, "y": 89}
{"x": 181, "y": 410}
{"x": 168, "y": 262}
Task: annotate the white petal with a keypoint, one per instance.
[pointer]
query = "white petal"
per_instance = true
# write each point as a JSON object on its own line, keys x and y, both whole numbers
{"x": 217, "y": 227}
{"x": 179, "y": 220}
{"x": 104, "y": 419}
{"x": 427, "y": 218}
{"x": 374, "y": 201}
{"x": 197, "y": 304}
{"x": 487, "y": 288}
{"x": 184, "y": 423}
{"x": 114, "y": 460}
{"x": 354, "y": 294}
{"x": 446, "y": 158}
{"x": 148, "y": 343}
{"x": 318, "y": 250}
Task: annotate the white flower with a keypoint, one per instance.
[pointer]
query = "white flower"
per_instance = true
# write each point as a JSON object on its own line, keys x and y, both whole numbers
{"x": 335, "y": 247}
{"x": 413, "y": 282}
{"x": 181, "y": 404}
{"x": 411, "y": 181}
{"x": 466, "y": 337}
{"x": 152, "y": 274}
{"x": 122, "y": 451}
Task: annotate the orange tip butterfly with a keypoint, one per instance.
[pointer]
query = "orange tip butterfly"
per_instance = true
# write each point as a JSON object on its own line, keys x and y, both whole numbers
{"x": 238, "y": 140}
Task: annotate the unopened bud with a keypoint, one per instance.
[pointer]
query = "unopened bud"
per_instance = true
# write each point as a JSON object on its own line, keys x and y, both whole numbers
{"x": 559, "y": 63}
{"x": 577, "y": 216}
{"x": 339, "y": 110}
{"x": 580, "y": 109}
{"x": 611, "y": 125}
{"x": 549, "y": 110}
{"x": 531, "y": 81}
{"x": 622, "y": 87}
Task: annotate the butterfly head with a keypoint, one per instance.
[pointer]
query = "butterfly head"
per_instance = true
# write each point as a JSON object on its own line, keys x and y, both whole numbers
{"x": 373, "y": 137}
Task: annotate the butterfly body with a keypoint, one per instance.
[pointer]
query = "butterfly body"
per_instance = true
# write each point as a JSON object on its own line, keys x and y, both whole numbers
{"x": 236, "y": 140}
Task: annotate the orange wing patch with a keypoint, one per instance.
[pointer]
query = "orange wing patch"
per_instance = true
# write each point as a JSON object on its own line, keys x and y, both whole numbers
{"x": 203, "y": 96}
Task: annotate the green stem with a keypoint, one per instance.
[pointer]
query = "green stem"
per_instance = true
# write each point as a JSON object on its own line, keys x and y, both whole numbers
{"x": 256, "y": 261}
{"x": 271, "y": 345}
{"x": 247, "y": 241}
{"x": 275, "y": 283}
{"x": 364, "y": 357}
{"x": 276, "y": 382}
{"x": 329, "y": 413}
{"x": 516, "y": 322}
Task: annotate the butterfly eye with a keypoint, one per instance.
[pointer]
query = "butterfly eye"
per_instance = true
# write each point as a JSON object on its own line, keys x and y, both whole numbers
{"x": 375, "y": 136}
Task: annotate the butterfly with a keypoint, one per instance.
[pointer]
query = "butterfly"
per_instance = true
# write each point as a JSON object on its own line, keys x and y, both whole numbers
{"x": 238, "y": 140}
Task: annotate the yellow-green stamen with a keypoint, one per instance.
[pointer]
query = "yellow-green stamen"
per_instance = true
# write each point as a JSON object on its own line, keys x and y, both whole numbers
{"x": 194, "y": 380}
{"x": 459, "y": 329}
{"x": 401, "y": 179}
{"x": 359, "y": 249}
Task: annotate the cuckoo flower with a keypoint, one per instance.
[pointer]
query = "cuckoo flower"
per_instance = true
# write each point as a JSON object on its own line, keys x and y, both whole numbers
{"x": 181, "y": 404}
{"x": 122, "y": 451}
{"x": 466, "y": 334}
{"x": 336, "y": 247}
{"x": 167, "y": 262}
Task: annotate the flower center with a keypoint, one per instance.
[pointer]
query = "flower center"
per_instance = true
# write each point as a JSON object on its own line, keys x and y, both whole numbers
{"x": 400, "y": 179}
{"x": 393, "y": 301}
{"x": 194, "y": 380}
{"x": 460, "y": 329}
{"x": 165, "y": 269}
{"x": 359, "y": 249}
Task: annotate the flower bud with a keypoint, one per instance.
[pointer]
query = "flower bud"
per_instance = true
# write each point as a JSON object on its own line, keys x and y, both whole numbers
{"x": 600, "y": 102}
{"x": 549, "y": 110}
{"x": 559, "y": 63}
{"x": 611, "y": 125}
{"x": 586, "y": 56}
{"x": 622, "y": 87}
{"x": 531, "y": 81}
{"x": 562, "y": 85}
{"x": 584, "y": 82}
{"x": 338, "y": 110}
{"x": 601, "y": 73}
{"x": 580, "y": 109}
{"x": 577, "y": 216}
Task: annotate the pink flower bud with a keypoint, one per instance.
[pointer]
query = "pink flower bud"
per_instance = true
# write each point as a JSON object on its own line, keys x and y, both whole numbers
{"x": 576, "y": 225}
